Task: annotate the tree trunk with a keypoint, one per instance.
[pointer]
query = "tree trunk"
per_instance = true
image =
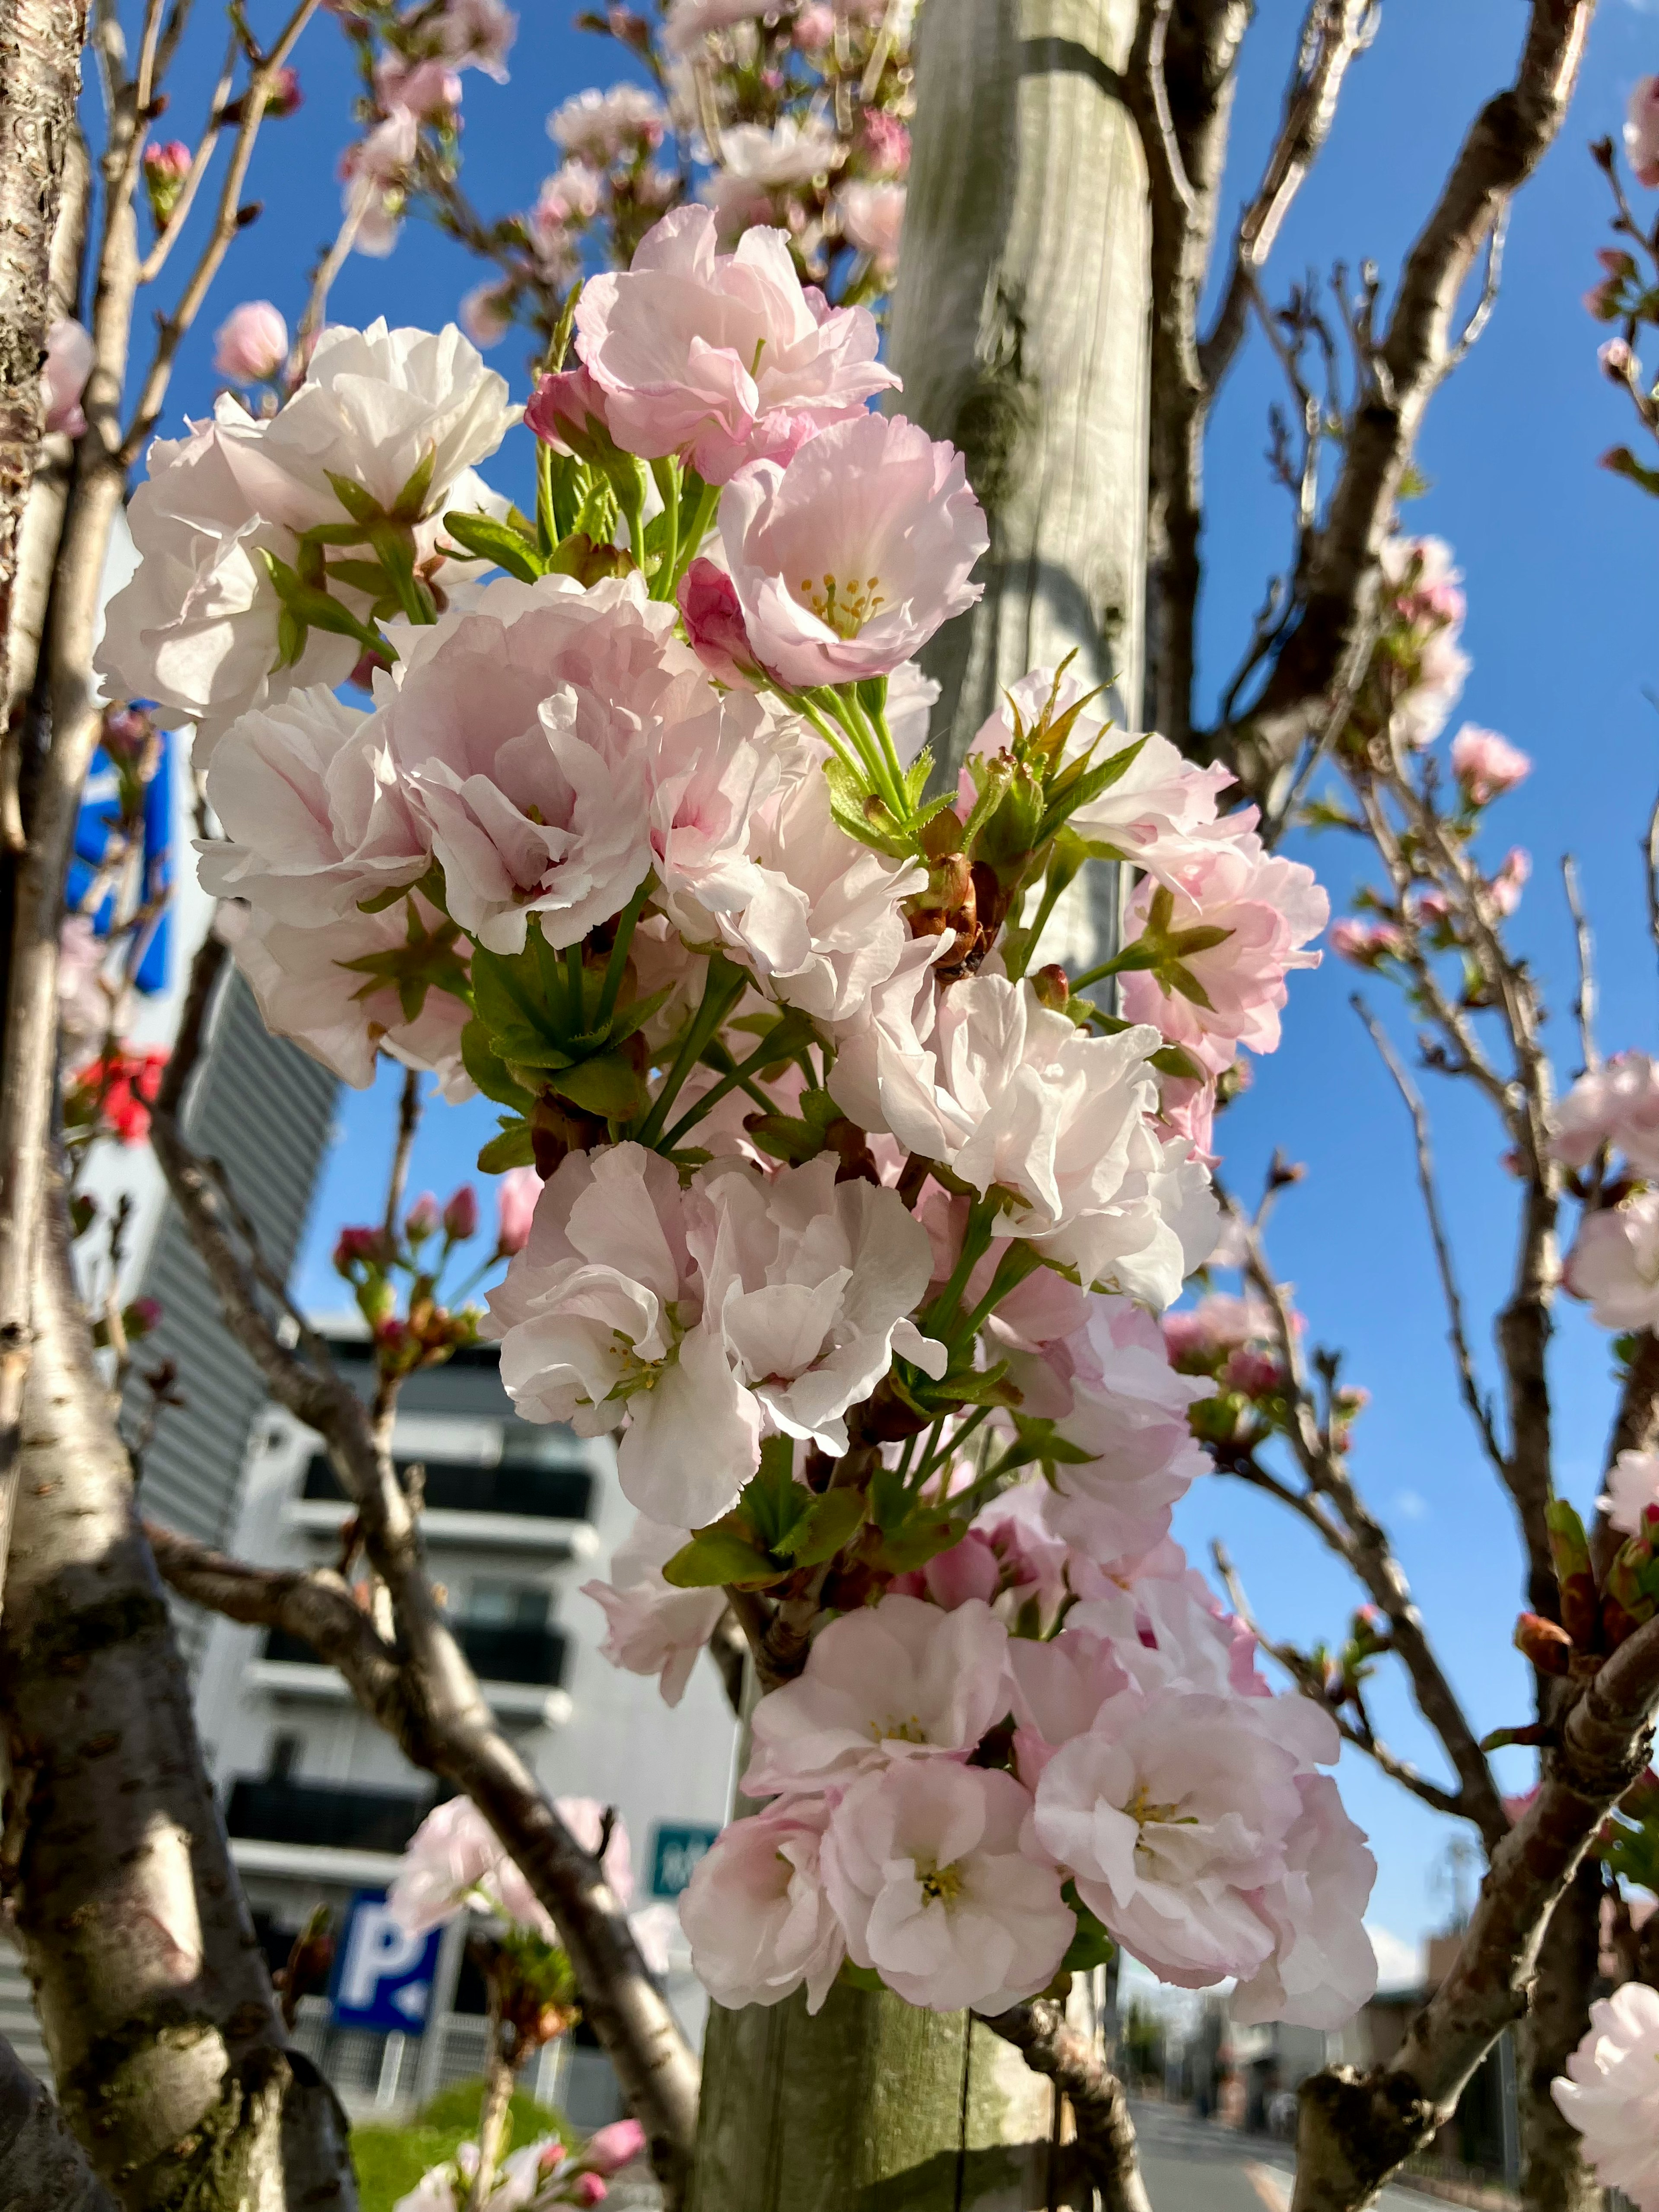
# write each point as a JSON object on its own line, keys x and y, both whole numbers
{"x": 872, "y": 2106}
{"x": 40, "y": 78}
{"x": 1021, "y": 327}
{"x": 42, "y": 2167}
{"x": 154, "y": 1999}
{"x": 1554, "y": 2178}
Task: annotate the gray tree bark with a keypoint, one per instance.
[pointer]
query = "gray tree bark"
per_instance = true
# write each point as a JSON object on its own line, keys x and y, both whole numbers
{"x": 40, "y": 75}
{"x": 42, "y": 2167}
{"x": 1021, "y": 328}
{"x": 157, "y": 2011}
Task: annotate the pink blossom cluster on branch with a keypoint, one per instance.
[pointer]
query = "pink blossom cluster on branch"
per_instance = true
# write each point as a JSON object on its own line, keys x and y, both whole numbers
{"x": 851, "y": 1220}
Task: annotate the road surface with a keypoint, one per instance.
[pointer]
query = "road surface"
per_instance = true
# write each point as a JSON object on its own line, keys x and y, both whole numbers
{"x": 1195, "y": 2166}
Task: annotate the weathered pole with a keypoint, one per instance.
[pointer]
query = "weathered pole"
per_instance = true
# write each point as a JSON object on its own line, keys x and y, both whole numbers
{"x": 1020, "y": 327}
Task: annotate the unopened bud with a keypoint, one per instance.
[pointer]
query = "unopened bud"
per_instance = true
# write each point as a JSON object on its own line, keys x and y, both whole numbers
{"x": 1546, "y": 1644}
{"x": 1053, "y": 985}
{"x": 421, "y": 1218}
{"x": 461, "y": 1214}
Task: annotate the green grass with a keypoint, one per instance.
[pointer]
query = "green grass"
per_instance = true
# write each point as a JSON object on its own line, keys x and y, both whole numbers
{"x": 391, "y": 2160}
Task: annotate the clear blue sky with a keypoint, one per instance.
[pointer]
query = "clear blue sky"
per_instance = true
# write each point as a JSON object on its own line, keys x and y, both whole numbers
{"x": 1559, "y": 560}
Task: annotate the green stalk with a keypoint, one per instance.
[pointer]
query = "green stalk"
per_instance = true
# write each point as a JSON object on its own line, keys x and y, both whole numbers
{"x": 546, "y": 530}
{"x": 667, "y": 475}
{"x": 1019, "y": 1262}
{"x": 615, "y": 966}
{"x": 853, "y": 765}
{"x": 888, "y": 780}
{"x": 948, "y": 1446}
{"x": 572, "y": 983}
{"x": 723, "y": 987}
{"x": 975, "y": 1243}
{"x": 1052, "y": 889}
{"x": 735, "y": 1076}
{"x": 704, "y": 505}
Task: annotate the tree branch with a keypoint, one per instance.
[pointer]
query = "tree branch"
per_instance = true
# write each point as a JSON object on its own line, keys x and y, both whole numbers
{"x": 1356, "y": 2131}
{"x": 42, "y": 2167}
{"x": 1478, "y": 1411}
{"x": 1335, "y": 586}
{"x": 1040, "y": 2031}
{"x": 437, "y": 1716}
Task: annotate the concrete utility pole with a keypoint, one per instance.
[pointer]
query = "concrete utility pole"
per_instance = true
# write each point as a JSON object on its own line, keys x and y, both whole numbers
{"x": 1021, "y": 330}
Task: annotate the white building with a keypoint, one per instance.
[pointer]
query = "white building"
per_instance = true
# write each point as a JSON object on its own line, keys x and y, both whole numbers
{"x": 319, "y": 1800}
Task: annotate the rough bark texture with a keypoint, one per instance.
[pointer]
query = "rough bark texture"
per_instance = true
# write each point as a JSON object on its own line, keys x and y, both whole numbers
{"x": 154, "y": 1999}
{"x": 40, "y": 77}
{"x": 42, "y": 2167}
{"x": 871, "y": 2106}
{"x": 1020, "y": 328}
{"x": 1554, "y": 2178}
{"x": 1105, "y": 2133}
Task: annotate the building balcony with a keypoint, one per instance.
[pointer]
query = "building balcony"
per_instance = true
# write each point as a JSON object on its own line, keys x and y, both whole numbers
{"x": 525, "y": 1508}
{"x": 278, "y": 1825}
{"x": 521, "y": 1671}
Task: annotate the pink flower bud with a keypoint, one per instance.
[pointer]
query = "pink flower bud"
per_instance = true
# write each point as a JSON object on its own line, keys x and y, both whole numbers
{"x": 567, "y": 411}
{"x": 362, "y": 1246}
{"x": 64, "y": 378}
{"x": 588, "y": 2189}
{"x": 127, "y": 733}
{"x": 1365, "y": 943}
{"x": 142, "y": 1316}
{"x": 421, "y": 1218}
{"x": 169, "y": 162}
{"x": 250, "y": 344}
{"x": 515, "y": 1206}
{"x": 714, "y": 624}
{"x": 614, "y": 2147}
{"x": 461, "y": 1214}
{"x": 1486, "y": 764}
{"x": 486, "y": 314}
{"x": 1642, "y": 130}
{"x": 285, "y": 95}
{"x": 1504, "y": 889}
{"x": 1617, "y": 361}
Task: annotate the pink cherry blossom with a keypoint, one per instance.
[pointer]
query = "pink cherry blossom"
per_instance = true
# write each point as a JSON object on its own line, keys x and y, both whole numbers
{"x": 1056, "y": 1688}
{"x": 1642, "y": 130}
{"x": 820, "y": 924}
{"x": 1611, "y": 2094}
{"x": 599, "y": 1315}
{"x": 814, "y": 27}
{"x": 485, "y": 314}
{"x": 1616, "y": 1105}
{"x": 986, "y": 1078}
{"x": 601, "y": 127}
{"x": 64, "y": 378}
{"x": 478, "y": 34}
{"x": 1428, "y": 606}
{"x": 691, "y": 20}
{"x": 652, "y": 1627}
{"x": 807, "y": 1283}
{"x": 1199, "y": 1338}
{"x": 901, "y": 1679}
{"x": 873, "y": 218}
{"x": 754, "y": 1911}
{"x": 1505, "y": 887}
{"x": 516, "y": 1194}
{"x": 428, "y": 89}
{"x": 455, "y": 1860}
{"x": 722, "y": 358}
{"x": 1168, "y": 1813}
{"x": 515, "y": 725}
{"x": 567, "y": 411}
{"x": 306, "y": 990}
{"x": 251, "y": 345}
{"x": 1322, "y": 1968}
{"x": 1269, "y": 908}
{"x": 1633, "y": 1491}
{"x": 849, "y": 559}
{"x": 1365, "y": 942}
{"x": 925, "y": 1865}
{"x": 884, "y": 143}
{"x": 1486, "y": 764}
{"x": 710, "y": 765}
{"x": 315, "y": 819}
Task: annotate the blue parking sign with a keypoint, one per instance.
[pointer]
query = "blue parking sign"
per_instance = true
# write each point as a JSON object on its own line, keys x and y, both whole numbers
{"x": 383, "y": 1977}
{"x": 674, "y": 1857}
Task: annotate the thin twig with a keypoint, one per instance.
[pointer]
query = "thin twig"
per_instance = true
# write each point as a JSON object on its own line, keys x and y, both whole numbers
{"x": 150, "y": 268}
{"x": 1479, "y": 1410}
{"x": 1175, "y": 169}
{"x": 409, "y": 1122}
{"x": 1583, "y": 1005}
{"x": 1489, "y": 289}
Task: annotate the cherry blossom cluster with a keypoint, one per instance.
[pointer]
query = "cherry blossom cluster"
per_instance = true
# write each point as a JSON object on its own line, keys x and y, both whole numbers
{"x": 791, "y": 118}
{"x": 1611, "y": 2093}
{"x": 854, "y": 1219}
{"x": 964, "y": 1812}
{"x": 532, "y": 2178}
{"x": 1626, "y": 294}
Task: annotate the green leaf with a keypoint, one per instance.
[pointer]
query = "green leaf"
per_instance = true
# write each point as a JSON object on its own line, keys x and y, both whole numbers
{"x": 361, "y": 505}
{"x": 828, "y": 1523}
{"x": 1173, "y": 1059}
{"x": 410, "y": 503}
{"x": 717, "y": 1556}
{"x": 486, "y": 539}
{"x": 487, "y": 1069}
{"x": 360, "y": 576}
{"x": 921, "y": 1540}
{"x": 772, "y": 1502}
{"x": 513, "y": 1149}
{"x": 606, "y": 1084}
{"x": 1091, "y": 1945}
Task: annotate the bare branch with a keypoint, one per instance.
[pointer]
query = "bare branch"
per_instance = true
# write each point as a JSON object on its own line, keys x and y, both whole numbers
{"x": 1174, "y": 168}
{"x": 150, "y": 268}
{"x": 1651, "y": 872}
{"x": 438, "y": 1716}
{"x": 409, "y": 1122}
{"x": 1356, "y": 2131}
{"x": 1333, "y": 32}
{"x": 1583, "y": 1003}
{"x": 1336, "y": 587}
{"x": 1362, "y": 1737}
{"x": 1479, "y": 1411}
{"x": 1105, "y": 2132}
{"x": 1489, "y": 290}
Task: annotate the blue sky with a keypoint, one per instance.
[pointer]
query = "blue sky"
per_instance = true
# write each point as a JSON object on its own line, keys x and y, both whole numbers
{"x": 1560, "y": 562}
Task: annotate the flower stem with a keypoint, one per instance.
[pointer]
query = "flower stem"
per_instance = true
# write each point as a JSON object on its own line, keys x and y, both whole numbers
{"x": 1017, "y": 1261}
{"x": 667, "y": 475}
{"x": 618, "y": 962}
{"x": 975, "y": 1243}
{"x": 738, "y": 1074}
{"x": 705, "y": 503}
{"x": 724, "y": 986}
